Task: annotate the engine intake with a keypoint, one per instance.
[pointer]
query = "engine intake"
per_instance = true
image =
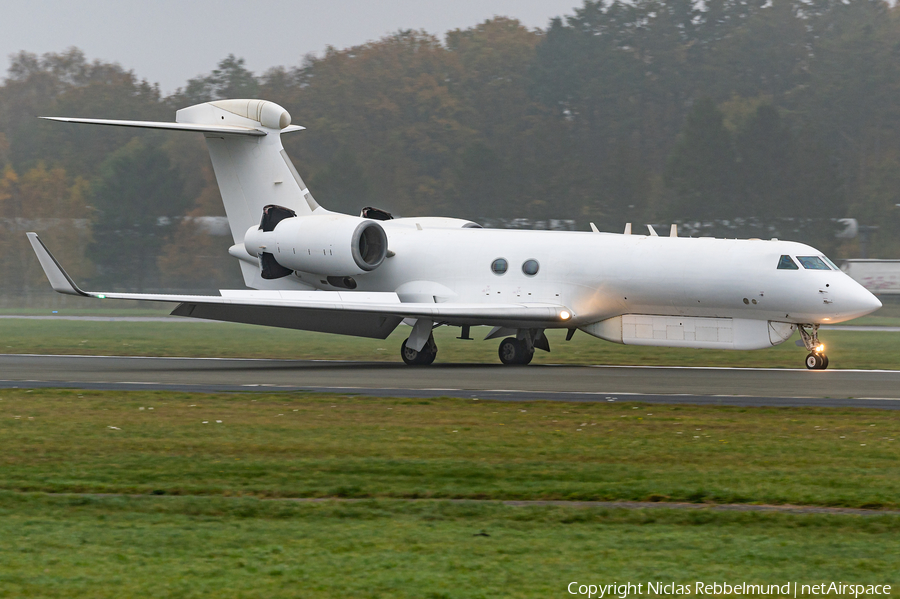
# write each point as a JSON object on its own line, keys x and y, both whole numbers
{"x": 335, "y": 245}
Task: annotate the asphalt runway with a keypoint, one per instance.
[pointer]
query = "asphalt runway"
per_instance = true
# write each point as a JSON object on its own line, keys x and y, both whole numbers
{"x": 723, "y": 386}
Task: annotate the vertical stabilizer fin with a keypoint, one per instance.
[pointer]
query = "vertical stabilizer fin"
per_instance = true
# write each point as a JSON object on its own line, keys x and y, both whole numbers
{"x": 252, "y": 173}
{"x": 252, "y": 169}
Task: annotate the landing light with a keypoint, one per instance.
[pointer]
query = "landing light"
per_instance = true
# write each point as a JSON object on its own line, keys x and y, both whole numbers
{"x": 565, "y": 315}
{"x": 820, "y": 348}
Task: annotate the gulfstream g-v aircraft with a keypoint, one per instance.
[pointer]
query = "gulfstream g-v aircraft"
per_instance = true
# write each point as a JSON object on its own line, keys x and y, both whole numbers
{"x": 312, "y": 269}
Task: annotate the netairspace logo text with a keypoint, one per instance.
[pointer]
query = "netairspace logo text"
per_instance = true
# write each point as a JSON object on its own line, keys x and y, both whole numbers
{"x": 791, "y": 589}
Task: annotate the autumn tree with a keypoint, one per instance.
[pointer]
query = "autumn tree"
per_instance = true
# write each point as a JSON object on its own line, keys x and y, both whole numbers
{"x": 136, "y": 198}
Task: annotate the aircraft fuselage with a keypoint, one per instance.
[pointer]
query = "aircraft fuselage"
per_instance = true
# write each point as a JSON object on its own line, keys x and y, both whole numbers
{"x": 600, "y": 275}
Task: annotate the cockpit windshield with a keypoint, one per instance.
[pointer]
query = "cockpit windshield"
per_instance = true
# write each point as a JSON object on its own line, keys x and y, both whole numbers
{"x": 813, "y": 263}
{"x": 830, "y": 263}
{"x": 785, "y": 263}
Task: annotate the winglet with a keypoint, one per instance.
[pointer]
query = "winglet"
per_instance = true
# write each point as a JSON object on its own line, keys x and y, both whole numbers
{"x": 59, "y": 279}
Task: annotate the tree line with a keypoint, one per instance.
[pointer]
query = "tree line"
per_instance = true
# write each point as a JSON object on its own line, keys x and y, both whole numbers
{"x": 732, "y": 117}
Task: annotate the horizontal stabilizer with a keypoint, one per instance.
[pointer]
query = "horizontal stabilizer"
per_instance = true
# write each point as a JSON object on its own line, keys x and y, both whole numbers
{"x": 221, "y": 129}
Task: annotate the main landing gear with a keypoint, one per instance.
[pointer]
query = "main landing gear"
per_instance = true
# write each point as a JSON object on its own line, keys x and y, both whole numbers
{"x": 419, "y": 358}
{"x": 514, "y": 351}
{"x": 816, "y": 360}
{"x": 518, "y": 350}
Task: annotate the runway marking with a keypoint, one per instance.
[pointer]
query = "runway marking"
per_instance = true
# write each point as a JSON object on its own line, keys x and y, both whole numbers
{"x": 378, "y": 363}
{"x": 607, "y": 395}
{"x": 760, "y": 369}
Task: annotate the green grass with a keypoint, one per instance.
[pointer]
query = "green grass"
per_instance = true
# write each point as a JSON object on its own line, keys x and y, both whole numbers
{"x": 846, "y": 349}
{"x": 873, "y": 321}
{"x": 192, "y": 518}
{"x": 213, "y": 547}
{"x": 310, "y": 445}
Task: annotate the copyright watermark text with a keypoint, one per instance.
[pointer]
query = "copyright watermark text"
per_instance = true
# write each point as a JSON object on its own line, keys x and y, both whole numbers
{"x": 622, "y": 590}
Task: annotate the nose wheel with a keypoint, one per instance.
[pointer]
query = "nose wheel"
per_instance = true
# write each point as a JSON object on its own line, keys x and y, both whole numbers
{"x": 816, "y": 360}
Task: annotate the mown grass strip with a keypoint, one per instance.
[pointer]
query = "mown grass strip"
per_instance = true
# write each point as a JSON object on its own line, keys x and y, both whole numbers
{"x": 193, "y": 547}
{"x": 312, "y": 445}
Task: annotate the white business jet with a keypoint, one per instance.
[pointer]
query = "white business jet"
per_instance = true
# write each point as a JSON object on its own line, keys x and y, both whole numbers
{"x": 312, "y": 269}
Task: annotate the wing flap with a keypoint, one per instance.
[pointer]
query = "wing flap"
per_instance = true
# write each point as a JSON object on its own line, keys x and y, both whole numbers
{"x": 385, "y": 303}
{"x": 358, "y": 324}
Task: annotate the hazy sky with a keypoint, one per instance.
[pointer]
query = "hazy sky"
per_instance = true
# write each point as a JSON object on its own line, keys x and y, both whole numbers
{"x": 169, "y": 41}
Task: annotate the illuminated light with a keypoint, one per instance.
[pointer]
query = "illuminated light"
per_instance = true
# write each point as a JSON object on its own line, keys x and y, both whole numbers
{"x": 820, "y": 347}
{"x": 565, "y": 315}
{"x": 101, "y": 296}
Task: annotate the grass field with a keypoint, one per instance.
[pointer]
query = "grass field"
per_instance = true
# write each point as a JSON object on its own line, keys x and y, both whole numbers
{"x": 190, "y": 547}
{"x": 846, "y": 349}
{"x": 311, "y": 445}
{"x": 196, "y": 521}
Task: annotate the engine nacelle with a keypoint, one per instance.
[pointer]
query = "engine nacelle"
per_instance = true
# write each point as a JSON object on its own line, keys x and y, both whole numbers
{"x": 328, "y": 244}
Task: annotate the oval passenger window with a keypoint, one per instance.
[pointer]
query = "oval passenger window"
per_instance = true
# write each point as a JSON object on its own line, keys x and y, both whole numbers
{"x": 530, "y": 267}
{"x": 499, "y": 266}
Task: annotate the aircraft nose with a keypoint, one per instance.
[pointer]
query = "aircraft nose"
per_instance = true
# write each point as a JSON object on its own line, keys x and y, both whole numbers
{"x": 860, "y": 301}
{"x": 874, "y": 303}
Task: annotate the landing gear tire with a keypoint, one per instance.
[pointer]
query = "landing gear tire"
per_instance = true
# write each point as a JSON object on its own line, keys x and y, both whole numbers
{"x": 816, "y": 361}
{"x": 419, "y": 358}
{"x": 513, "y": 351}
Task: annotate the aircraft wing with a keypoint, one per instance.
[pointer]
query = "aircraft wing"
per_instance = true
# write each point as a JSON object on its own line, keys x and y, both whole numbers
{"x": 365, "y": 314}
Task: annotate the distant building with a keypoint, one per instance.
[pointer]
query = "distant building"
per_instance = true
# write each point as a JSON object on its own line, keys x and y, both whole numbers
{"x": 881, "y": 277}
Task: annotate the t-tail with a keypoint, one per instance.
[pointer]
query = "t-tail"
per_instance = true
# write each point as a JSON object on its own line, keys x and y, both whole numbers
{"x": 252, "y": 169}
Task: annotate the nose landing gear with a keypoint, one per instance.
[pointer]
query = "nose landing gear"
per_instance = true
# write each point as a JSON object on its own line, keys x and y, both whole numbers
{"x": 816, "y": 360}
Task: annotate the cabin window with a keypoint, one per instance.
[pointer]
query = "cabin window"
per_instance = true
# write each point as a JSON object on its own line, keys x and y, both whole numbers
{"x": 499, "y": 266}
{"x": 530, "y": 267}
{"x": 829, "y": 262}
{"x": 813, "y": 263}
{"x": 785, "y": 263}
